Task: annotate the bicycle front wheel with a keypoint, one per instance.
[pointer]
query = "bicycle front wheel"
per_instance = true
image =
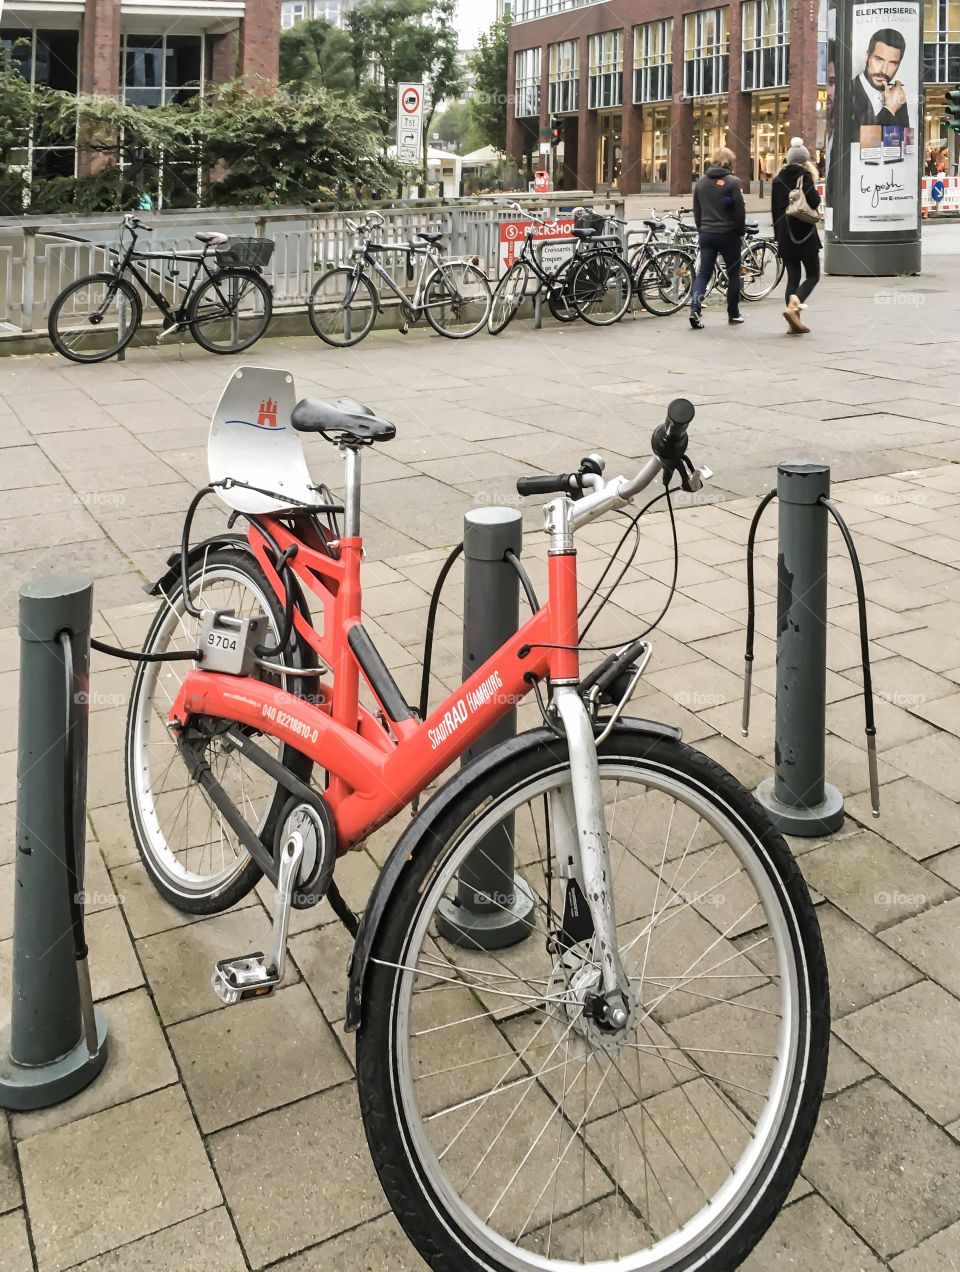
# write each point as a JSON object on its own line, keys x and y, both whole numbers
{"x": 230, "y": 311}
{"x": 457, "y": 299}
{"x": 761, "y": 268}
{"x": 508, "y": 297}
{"x": 514, "y": 1132}
{"x": 94, "y": 318}
{"x": 342, "y": 307}
{"x": 600, "y": 288}
{"x": 665, "y": 281}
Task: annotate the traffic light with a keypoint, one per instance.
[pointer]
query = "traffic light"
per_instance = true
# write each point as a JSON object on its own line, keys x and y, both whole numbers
{"x": 556, "y": 128}
{"x": 953, "y": 109}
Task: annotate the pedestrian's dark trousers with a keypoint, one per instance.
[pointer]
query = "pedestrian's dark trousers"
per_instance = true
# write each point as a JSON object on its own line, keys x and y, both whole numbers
{"x": 711, "y": 246}
{"x": 806, "y": 259}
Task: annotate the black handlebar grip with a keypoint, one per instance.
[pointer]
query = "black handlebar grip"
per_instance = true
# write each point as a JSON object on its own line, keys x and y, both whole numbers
{"x": 679, "y": 414}
{"x": 557, "y": 484}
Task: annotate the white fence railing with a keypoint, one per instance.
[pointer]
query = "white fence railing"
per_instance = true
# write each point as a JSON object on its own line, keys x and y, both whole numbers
{"x": 38, "y": 260}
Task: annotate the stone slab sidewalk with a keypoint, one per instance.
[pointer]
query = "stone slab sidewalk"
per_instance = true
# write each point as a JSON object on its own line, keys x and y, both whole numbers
{"x": 223, "y": 1140}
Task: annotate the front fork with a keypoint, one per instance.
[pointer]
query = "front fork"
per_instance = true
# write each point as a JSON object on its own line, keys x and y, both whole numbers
{"x": 582, "y": 846}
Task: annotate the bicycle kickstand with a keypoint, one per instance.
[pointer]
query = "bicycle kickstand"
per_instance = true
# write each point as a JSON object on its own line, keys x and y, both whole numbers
{"x": 236, "y": 980}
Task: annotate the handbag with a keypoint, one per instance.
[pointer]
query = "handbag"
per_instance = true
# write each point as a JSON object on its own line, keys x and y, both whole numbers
{"x": 798, "y": 206}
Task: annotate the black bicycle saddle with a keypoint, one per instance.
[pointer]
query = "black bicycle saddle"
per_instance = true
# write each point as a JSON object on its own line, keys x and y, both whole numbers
{"x": 342, "y": 420}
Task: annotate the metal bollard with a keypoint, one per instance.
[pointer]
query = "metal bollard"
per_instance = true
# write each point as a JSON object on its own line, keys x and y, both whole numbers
{"x": 57, "y": 1042}
{"x": 797, "y": 798}
{"x": 494, "y": 906}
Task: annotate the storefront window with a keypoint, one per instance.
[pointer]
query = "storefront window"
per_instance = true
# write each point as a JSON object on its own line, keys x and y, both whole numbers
{"x": 655, "y": 147}
{"x": 766, "y": 50}
{"x": 653, "y": 61}
{"x": 564, "y": 76}
{"x": 709, "y": 133}
{"x": 610, "y": 150}
{"x": 527, "y": 94}
{"x": 706, "y": 53}
{"x": 606, "y": 69}
{"x": 770, "y": 134}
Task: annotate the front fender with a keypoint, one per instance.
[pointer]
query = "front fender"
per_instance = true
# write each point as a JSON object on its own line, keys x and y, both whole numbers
{"x": 412, "y": 840}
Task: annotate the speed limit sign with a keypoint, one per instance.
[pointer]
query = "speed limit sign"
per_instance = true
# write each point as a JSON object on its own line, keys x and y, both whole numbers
{"x": 409, "y": 122}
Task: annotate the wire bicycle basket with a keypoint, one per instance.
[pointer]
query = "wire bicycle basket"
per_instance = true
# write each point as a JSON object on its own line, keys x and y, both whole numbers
{"x": 253, "y": 252}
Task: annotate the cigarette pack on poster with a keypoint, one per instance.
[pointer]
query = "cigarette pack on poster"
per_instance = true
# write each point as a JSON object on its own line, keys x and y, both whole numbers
{"x": 892, "y": 146}
{"x": 871, "y": 142}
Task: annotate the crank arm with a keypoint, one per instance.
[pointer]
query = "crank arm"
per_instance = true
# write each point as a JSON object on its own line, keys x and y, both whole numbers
{"x": 202, "y": 774}
{"x": 595, "y": 873}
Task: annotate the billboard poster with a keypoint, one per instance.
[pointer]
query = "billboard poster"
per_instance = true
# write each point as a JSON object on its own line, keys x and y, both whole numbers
{"x": 884, "y": 105}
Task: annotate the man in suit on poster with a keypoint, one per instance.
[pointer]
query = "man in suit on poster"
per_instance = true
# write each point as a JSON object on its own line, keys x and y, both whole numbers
{"x": 877, "y": 95}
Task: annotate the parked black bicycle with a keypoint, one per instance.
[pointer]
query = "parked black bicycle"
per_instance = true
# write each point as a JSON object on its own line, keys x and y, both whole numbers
{"x": 225, "y": 304}
{"x": 594, "y": 283}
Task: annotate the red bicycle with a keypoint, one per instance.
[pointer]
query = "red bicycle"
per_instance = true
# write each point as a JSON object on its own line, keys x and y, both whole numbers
{"x": 630, "y": 1084}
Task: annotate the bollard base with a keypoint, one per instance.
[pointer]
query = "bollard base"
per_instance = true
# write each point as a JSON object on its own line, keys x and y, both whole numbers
{"x": 27, "y": 1087}
{"x": 810, "y": 823}
{"x": 489, "y": 929}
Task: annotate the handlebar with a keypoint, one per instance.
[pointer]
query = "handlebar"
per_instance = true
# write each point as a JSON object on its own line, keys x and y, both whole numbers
{"x": 132, "y": 222}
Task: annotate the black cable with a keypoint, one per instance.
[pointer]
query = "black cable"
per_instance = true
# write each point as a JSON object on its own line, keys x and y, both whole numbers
{"x": 185, "y": 551}
{"x": 431, "y": 623}
{"x": 190, "y": 655}
{"x": 831, "y": 507}
{"x": 634, "y": 525}
{"x": 676, "y": 568}
{"x": 751, "y": 539}
{"x": 524, "y": 578}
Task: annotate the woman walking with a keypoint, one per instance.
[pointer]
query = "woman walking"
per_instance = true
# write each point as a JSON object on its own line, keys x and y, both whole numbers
{"x": 797, "y": 238}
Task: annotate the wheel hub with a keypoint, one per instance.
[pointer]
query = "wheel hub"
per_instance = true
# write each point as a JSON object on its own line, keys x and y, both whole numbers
{"x": 583, "y": 1016}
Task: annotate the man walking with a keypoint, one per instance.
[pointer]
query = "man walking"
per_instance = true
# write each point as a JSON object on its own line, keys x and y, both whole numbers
{"x": 721, "y": 218}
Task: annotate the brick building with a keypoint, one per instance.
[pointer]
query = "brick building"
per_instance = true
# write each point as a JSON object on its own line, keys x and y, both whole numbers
{"x": 646, "y": 89}
{"x": 144, "y": 51}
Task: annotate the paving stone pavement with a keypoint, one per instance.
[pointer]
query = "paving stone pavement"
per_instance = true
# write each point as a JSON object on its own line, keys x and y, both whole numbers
{"x": 223, "y": 1141}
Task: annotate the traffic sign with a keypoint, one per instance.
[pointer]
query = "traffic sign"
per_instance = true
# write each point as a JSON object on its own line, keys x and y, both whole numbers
{"x": 409, "y": 122}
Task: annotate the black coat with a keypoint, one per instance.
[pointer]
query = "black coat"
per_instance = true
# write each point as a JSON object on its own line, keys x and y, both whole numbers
{"x": 794, "y": 237}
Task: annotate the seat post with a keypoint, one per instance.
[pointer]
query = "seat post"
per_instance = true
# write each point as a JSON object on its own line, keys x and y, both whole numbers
{"x": 351, "y": 495}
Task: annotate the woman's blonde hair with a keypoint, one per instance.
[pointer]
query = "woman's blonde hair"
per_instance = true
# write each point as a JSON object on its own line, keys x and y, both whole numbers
{"x": 724, "y": 156}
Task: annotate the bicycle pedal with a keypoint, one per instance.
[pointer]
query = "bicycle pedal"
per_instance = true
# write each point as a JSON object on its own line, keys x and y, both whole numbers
{"x": 237, "y": 980}
{"x": 404, "y": 328}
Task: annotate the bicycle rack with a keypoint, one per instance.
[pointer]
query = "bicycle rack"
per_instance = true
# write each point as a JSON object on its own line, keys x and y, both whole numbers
{"x": 797, "y": 798}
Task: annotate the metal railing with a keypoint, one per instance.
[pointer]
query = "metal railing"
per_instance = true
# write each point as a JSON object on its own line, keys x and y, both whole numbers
{"x": 38, "y": 260}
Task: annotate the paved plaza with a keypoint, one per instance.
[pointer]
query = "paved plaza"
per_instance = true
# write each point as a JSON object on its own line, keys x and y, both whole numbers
{"x": 216, "y": 1140}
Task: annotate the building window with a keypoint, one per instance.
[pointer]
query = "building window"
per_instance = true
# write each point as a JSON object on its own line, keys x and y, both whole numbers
{"x": 564, "y": 77}
{"x": 941, "y": 41}
{"x": 527, "y": 87}
{"x": 526, "y": 10}
{"x": 50, "y": 58}
{"x": 158, "y": 69}
{"x": 606, "y": 70}
{"x": 706, "y": 53}
{"x": 653, "y": 61}
{"x": 294, "y": 11}
{"x": 766, "y": 44}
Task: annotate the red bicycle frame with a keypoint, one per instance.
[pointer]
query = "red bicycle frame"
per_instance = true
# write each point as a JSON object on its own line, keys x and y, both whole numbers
{"x": 374, "y": 772}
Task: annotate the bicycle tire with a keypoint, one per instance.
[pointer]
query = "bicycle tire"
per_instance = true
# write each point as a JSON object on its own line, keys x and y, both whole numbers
{"x": 444, "y": 1228}
{"x": 763, "y": 254}
{"x": 508, "y": 297}
{"x": 345, "y": 293}
{"x": 559, "y": 301}
{"x": 603, "y": 276}
{"x": 445, "y": 298}
{"x": 60, "y": 339}
{"x": 665, "y": 281}
{"x": 168, "y": 867}
{"x": 215, "y": 308}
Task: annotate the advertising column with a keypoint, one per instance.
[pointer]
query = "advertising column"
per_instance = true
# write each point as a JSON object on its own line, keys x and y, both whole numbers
{"x": 874, "y": 137}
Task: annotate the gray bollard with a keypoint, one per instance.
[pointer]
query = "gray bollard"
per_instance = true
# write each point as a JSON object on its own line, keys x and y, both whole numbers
{"x": 57, "y": 1042}
{"x": 494, "y": 907}
{"x": 797, "y": 798}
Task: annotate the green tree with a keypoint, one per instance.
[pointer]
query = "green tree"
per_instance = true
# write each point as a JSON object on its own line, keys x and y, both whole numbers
{"x": 488, "y": 105}
{"x": 317, "y": 54}
{"x": 405, "y": 40}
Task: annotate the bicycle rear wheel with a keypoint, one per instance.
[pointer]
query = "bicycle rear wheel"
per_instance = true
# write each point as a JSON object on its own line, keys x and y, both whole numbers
{"x": 230, "y": 311}
{"x": 665, "y": 281}
{"x": 342, "y": 307}
{"x": 761, "y": 268}
{"x": 457, "y": 299}
{"x": 510, "y": 1132}
{"x": 601, "y": 288}
{"x": 508, "y": 297}
{"x": 94, "y": 318}
{"x": 194, "y": 859}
